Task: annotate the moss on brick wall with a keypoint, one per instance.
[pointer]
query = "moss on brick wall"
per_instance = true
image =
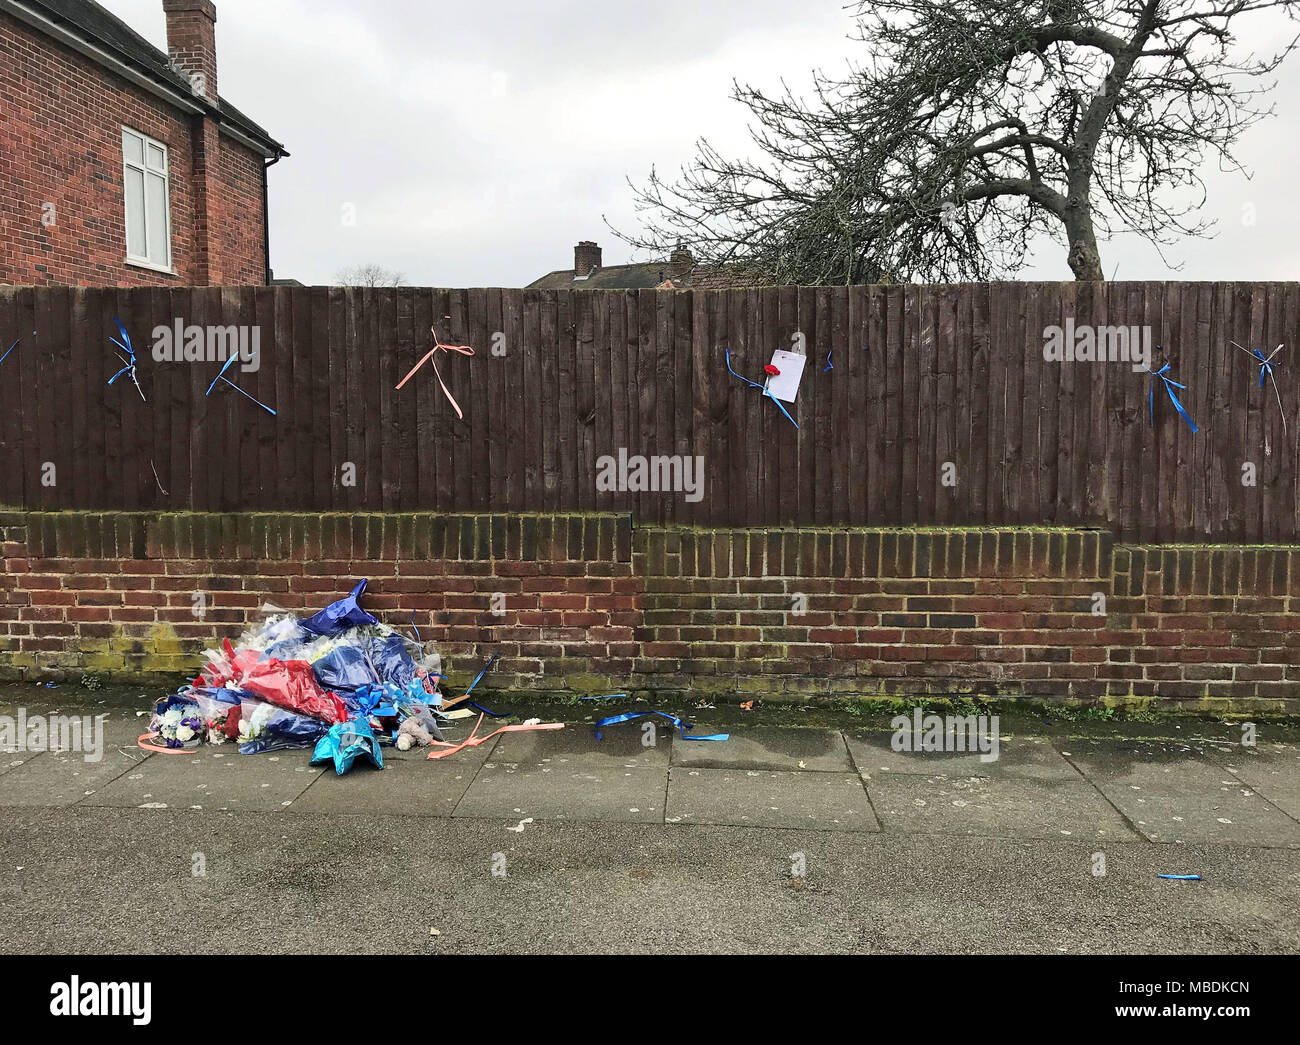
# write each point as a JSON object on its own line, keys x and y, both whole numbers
{"x": 584, "y": 603}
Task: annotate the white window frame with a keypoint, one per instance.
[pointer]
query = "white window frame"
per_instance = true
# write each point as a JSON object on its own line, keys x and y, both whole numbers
{"x": 158, "y": 265}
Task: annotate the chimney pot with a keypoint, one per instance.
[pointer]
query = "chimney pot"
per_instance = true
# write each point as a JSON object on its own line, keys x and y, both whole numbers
{"x": 680, "y": 262}
{"x": 192, "y": 43}
{"x": 586, "y": 258}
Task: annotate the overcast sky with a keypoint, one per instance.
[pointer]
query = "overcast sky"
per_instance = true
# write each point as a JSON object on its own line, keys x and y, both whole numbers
{"x": 478, "y": 142}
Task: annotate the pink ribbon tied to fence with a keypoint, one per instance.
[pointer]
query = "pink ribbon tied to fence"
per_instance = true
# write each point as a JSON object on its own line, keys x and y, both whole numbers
{"x": 432, "y": 355}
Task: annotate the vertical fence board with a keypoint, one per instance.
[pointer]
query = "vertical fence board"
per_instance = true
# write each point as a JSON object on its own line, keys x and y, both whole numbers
{"x": 890, "y": 350}
{"x": 1061, "y": 472}
{"x": 704, "y": 444}
{"x": 590, "y": 415}
{"x": 1288, "y": 526}
{"x": 614, "y": 372}
{"x": 1272, "y": 504}
{"x": 797, "y": 479}
{"x": 510, "y": 369}
{"x": 871, "y": 359}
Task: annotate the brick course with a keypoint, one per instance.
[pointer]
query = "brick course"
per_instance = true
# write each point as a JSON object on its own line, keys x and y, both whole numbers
{"x": 591, "y": 603}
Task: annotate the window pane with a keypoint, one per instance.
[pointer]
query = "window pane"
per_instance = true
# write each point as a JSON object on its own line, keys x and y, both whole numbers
{"x": 132, "y": 147}
{"x": 157, "y": 220}
{"x": 135, "y": 241}
{"x": 157, "y": 159}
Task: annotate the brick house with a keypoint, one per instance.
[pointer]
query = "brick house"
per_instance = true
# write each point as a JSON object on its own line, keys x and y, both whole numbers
{"x": 121, "y": 165}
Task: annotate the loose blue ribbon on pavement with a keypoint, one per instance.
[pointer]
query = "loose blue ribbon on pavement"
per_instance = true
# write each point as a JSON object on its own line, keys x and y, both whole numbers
{"x": 1181, "y": 877}
{"x": 628, "y": 716}
{"x": 126, "y": 346}
{"x": 762, "y": 388}
{"x": 1170, "y": 385}
{"x": 487, "y": 711}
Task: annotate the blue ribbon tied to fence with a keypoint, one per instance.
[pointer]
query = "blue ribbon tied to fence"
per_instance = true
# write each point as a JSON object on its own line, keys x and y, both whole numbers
{"x": 1266, "y": 366}
{"x": 1170, "y": 385}
{"x": 13, "y": 346}
{"x": 762, "y": 388}
{"x": 129, "y": 359}
{"x": 221, "y": 376}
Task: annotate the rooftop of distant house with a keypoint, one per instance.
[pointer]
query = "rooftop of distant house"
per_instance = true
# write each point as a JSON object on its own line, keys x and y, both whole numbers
{"x": 679, "y": 272}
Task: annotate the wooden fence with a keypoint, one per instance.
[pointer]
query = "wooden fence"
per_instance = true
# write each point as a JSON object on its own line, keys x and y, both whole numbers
{"x": 922, "y": 377}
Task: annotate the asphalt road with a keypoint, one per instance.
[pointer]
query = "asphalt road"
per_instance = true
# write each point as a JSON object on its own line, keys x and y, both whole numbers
{"x": 114, "y": 881}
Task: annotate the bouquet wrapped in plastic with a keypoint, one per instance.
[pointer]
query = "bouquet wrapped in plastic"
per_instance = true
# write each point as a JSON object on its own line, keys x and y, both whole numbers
{"x": 285, "y": 683}
{"x": 265, "y": 727}
{"x": 292, "y": 685}
{"x": 178, "y": 722}
{"x": 220, "y": 712}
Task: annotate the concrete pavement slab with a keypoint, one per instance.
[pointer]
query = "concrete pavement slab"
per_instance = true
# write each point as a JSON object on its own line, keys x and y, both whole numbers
{"x": 768, "y": 747}
{"x": 1271, "y": 769}
{"x": 1175, "y": 793}
{"x": 624, "y": 746}
{"x": 517, "y": 792}
{"x": 60, "y": 778}
{"x": 410, "y": 785}
{"x": 213, "y": 778}
{"x": 1007, "y": 806}
{"x": 763, "y": 798}
{"x": 1030, "y": 758}
{"x": 570, "y": 775}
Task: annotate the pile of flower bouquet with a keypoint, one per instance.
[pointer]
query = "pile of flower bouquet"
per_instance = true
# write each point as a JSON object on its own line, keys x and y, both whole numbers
{"x": 287, "y": 683}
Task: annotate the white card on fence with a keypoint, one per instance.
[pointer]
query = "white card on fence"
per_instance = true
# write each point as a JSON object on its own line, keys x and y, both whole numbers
{"x": 785, "y": 386}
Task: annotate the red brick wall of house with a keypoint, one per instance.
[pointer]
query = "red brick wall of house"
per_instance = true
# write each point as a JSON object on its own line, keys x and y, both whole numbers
{"x": 240, "y": 237}
{"x": 590, "y": 605}
{"x": 61, "y": 119}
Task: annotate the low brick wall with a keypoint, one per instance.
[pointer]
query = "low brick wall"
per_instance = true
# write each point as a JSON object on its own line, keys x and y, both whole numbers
{"x": 587, "y": 603}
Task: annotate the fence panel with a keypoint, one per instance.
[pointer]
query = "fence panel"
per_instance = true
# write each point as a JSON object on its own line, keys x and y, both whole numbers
{"x": 920, "y": 377}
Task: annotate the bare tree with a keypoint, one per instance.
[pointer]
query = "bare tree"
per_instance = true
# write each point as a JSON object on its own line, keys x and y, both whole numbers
{"x": 370, "y": 276}
{"x": 974, "y": 125}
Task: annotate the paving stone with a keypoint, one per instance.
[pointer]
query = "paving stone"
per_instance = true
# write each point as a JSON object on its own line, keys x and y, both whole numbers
{"x": 762, "y": 798}
{"x": 621, "y": 747}
{"x": 213, "y": 778}
{"x": 569, "y": 775}
{"x": 410, "y": 785}
{"x": 61, "y": 778}
{"x": 768, "y": 747}
{"x": 1010, "y": 806}
{"x": 1271, "y": 769}
{"x": 1031, "y": 758}
{"x": 515, "y": 792}
{"x": 1175, "y": 793}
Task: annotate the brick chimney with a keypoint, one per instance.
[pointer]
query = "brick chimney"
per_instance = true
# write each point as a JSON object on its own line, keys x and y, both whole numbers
{"x": 681, "y": 262}
{"x": 586, "y": 256}
{"x": 192, "y": 42}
